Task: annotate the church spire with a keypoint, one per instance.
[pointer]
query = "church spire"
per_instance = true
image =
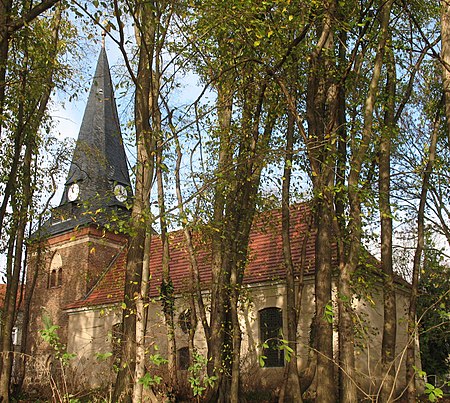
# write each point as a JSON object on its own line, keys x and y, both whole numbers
{"x": 99, "y": 161}
{"x": 98, "y": 177}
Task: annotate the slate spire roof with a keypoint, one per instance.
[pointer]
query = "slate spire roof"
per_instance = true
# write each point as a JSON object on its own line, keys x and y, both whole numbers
{"x": 99, "y": 159}
{"x": 98, "y": 169}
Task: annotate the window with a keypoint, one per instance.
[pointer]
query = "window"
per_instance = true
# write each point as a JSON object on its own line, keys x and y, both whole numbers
{"x": 183, "y": 358}
{"x": 184, "y": 321}
{"x": 53, "y": 278}
{"x": 55, "y": 275}
{"x": 270, "y": 330}
{"x": 15, "y": 336}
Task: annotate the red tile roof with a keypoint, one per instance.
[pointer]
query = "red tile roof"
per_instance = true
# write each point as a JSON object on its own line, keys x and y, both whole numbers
{"x": 265, "y": 258}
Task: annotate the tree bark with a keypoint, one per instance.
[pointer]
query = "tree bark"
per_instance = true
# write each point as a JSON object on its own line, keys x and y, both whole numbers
{"x": 321, "y": 114}
{"x": 346, "y": 327}
{"x": 21, "y": 210}
{"x": 445, "y": 57}
{"x": 412, "y": 324}
{"x": 140, "y": 220}
{"x": 291, "y": 389}
{"x": 389, "y": 299}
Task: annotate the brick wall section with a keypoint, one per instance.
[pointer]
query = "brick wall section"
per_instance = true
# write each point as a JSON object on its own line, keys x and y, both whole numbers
{"x": 85, "y": 255}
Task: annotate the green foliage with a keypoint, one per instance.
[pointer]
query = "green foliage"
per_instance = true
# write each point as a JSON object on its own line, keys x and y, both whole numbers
{"x": 103, "y": 356}
{"x": 199, "y": 379}
{"x": 167, "y": 296}
{"x": 288, "y": 351}
{"x": 281, "y": 344}
{"x": 433, "y": 310}
{"x": 50, "y": 335}
{"x": 262, "y": 358}
{"x": 432, "y": 392}
{"x": 149, "y": 380}
{"x": 328, "y": 313}
{"x": 157, "y": 359}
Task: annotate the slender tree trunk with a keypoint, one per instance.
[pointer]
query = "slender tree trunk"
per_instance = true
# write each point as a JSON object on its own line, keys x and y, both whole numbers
{"x": 307, "y": 375}
{"x": 412, "y": 324}
{"x": 390, "y": 306}
{"x": 5, "y": 17}
{"x": 220, "y": 279}
{"x": 142, "y": 304}
{"x": 236, "y": 335}
{"x": 346, "y": 327}
{"x": 139, "y": 222}
{"x": 445, "y": 57}
{"x": 167, "y": 292}
{"x": 21, "y": 210}
{"x": 326, "y": 386}
{"x": 290, "y": 390}
{"x": 195, "y": 280}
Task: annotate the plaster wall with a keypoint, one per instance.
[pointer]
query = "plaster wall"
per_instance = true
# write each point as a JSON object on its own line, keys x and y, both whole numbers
{"x": 89, "y": 331}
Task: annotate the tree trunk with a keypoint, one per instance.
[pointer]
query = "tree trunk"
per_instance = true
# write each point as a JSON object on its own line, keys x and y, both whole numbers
{"x": 326, "y": 384}
{"x": 290, "y": 390}
{"x": 5, "y": 19}
{"x": 238, "y": 189}
{"x": 412, "y": 324}
{"x": 389, "y": 303}
{"x": 142, "y": 304}
{"x": 220, "y": 280}
{"x": 445, "y": 57}
{"x": 139, "y": 223}
{"x": 321, "y": 114}
{"x": 346, "y": 327}
{"x": 9, "y": 313}
{"x": 167, "y": 291}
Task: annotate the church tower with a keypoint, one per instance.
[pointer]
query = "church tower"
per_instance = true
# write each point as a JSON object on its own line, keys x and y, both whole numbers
{"x": 80, "y": 241}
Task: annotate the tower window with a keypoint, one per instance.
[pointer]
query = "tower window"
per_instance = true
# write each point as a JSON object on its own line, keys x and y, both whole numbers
{"x": 53, "y": 278}
{"x": 270, "y": 332}
{"x": 56, "y": 272}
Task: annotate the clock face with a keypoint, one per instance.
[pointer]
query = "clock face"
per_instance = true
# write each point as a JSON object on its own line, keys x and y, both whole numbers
{"x": 72, "y": 193}
{"x": 121, "y": 193}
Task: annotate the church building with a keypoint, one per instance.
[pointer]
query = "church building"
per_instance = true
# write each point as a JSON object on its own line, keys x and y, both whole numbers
{"x": 77, "y": 275}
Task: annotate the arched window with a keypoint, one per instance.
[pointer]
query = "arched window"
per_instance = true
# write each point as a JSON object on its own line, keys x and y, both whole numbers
{"x": 270, "y": 334}
{"x": 55, "y": 275}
